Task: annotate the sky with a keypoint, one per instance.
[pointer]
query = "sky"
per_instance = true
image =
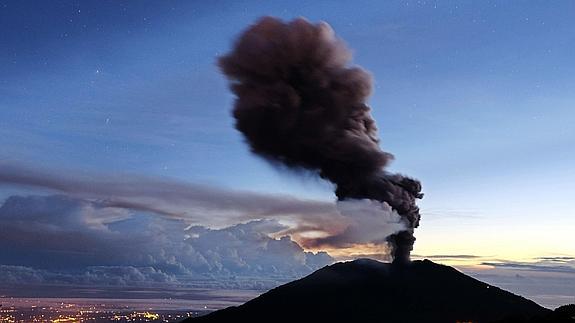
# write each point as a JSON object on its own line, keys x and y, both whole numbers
{"x": 473, "y": 98}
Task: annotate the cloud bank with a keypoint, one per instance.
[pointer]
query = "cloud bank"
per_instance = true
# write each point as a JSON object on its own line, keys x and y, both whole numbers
{"x": 549, "y": 281}
{"x": 313, "y": 224}
{"x": 63, "y": 240}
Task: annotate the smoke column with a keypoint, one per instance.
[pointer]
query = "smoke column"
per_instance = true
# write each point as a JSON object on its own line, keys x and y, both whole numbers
{"x": 300, "y": 104}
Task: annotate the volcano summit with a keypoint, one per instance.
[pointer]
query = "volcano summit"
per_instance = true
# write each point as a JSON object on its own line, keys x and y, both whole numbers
{"x": 366, "y": 290}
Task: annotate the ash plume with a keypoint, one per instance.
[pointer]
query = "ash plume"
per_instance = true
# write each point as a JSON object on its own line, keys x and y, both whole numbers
{"x": 197, "y": 204}
{"x": 299, "y": 103}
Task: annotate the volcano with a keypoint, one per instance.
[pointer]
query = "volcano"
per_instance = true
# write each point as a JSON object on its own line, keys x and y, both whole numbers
{"x": 366, "y": 290}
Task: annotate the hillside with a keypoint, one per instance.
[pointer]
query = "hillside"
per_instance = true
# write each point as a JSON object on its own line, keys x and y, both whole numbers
{"x": 366, "y": 290}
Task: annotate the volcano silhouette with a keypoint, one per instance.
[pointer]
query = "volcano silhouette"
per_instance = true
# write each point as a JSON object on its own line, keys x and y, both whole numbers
{"x": 366, "y": 290}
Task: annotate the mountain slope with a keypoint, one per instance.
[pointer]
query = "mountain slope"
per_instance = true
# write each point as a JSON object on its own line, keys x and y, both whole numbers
{"x": 370, "y": 291}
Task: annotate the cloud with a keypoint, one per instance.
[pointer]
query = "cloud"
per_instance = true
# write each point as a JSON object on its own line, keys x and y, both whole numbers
{"x": 198, "y": 204}
{"x": 543, "y": 280}
{"x": 95, "y": 276}
{"x": 560, "y": 259}
{"x": 448, "y": 257}
{"x": 539, "y": 267}
{"x": 63, "y": 240}
{"x": 320, "y": 225}
{"x": 247, "y": 249}
{"x": 19, "y": 275}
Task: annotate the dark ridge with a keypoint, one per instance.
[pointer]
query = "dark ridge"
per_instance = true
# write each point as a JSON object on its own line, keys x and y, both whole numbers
{"x": 366, "y": 290}
{"x": 563, "y": 314}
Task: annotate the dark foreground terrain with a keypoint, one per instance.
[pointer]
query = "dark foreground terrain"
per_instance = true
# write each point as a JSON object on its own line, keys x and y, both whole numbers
{"x": 370, "y": 291}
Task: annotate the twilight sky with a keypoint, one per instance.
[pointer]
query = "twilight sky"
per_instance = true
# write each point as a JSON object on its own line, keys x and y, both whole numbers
{"x": 475, "y": 99}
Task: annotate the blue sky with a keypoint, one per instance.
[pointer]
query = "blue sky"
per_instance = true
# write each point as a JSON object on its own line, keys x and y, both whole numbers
{"x": 471, "y": 97}
{"x": 474, "y": 98}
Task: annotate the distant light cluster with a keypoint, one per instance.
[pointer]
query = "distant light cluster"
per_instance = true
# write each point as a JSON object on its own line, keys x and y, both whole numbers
{"x": 68, "y": 313}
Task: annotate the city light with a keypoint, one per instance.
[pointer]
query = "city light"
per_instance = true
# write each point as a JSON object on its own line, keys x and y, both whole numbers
{"x": 22, "y": 311}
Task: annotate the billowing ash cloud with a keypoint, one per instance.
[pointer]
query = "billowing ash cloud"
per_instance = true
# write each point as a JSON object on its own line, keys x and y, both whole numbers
{"x": 369, "y": 221}
{"x": 300, "y": 104}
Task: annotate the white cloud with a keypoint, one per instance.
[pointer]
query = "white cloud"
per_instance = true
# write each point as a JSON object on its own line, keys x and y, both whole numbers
{"x": 58, "y": 239}
{"x": 549, "y": 281}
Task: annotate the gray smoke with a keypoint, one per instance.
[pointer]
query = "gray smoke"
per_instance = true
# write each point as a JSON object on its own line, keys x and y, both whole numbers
{"x": 300, "y": 104}
{"x": 197, "y": 204}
